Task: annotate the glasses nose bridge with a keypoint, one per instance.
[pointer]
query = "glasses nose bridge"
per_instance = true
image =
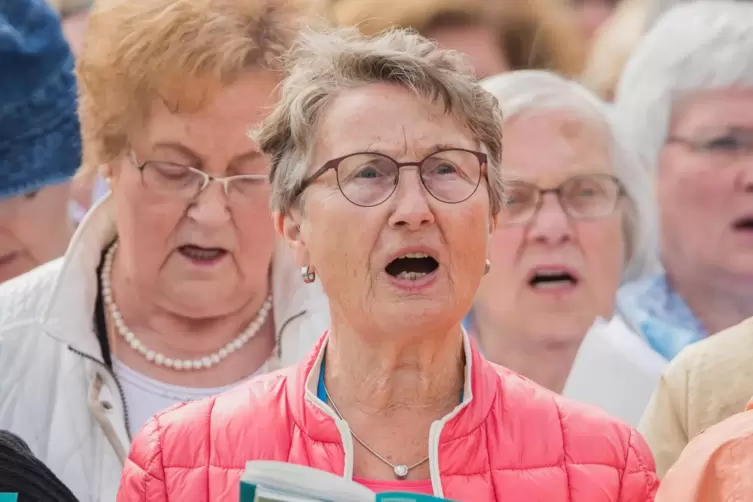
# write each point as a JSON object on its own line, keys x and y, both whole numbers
{"x": 208, "y": 178}
{"x": 557, "y": 192}
{"x": 417, "y": 165}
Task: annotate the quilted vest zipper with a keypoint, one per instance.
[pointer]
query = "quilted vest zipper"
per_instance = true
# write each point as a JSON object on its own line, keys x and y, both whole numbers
{"x": 117, "y": 384}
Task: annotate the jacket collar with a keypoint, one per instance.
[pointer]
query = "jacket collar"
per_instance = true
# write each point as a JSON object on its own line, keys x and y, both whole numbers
{"x": 319, "y": 422}
{"x": 68, "y": 316}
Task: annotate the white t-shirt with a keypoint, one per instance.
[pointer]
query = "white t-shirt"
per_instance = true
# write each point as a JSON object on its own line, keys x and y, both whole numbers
{"x": 145, "y": 396}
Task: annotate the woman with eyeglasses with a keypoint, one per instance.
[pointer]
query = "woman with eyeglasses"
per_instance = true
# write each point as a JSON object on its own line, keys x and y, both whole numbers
{"x": 688, "y": 107}
{"x": 573, "y": 227}
{"x": 172, "y": 288}
{"x": 387, "y": 183}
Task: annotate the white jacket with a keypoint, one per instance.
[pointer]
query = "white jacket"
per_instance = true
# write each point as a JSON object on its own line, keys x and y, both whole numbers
{"x": 55, "y": 390}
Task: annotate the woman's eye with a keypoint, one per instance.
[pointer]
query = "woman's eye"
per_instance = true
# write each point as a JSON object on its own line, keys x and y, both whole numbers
{"x": 367, "y": 172}
{"x": 445, "y": 169}
{"x": 729, "y": 143}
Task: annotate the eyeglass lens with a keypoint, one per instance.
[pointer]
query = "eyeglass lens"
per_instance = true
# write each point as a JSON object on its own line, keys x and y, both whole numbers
{"x": 183, "y": 182}
{"x": 581, "y": 197}
{"x": 368, "y": 179}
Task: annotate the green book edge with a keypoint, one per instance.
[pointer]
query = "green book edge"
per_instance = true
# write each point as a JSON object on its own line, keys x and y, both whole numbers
{"x": 248, "y": 492}
{"x": 407, "y": 497}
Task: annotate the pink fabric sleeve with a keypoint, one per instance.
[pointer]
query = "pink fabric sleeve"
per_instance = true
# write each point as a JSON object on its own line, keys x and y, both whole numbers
{"x": 639, "y": 481}
{"x": 143, "y": 478}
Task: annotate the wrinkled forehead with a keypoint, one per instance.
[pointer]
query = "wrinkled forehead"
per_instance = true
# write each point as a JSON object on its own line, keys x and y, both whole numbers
{"x": 561, "y": 142}
{"x": 713, "y": 109}
{"x": 389, "y": 119}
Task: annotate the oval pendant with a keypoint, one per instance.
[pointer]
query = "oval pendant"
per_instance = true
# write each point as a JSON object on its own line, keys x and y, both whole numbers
{"x": 401, "y": 471}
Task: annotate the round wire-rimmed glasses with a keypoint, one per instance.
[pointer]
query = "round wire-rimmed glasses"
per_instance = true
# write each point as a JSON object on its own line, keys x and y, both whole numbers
{"x": 368, "y": 179}
{"x": 582, "y": 197}
{"x": 186, "y": 183}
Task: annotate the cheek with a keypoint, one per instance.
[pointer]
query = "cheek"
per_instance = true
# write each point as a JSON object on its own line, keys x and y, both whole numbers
{"x": 603, "y": 247}
{"x": 339, "y": 239}
{"x": 692, "y": 196}
{"x": 148, "y": 226}
{"x": 505, "y": 244}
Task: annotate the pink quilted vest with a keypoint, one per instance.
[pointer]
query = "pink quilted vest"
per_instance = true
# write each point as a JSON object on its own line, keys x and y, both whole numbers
{"x": 509, "y": 440}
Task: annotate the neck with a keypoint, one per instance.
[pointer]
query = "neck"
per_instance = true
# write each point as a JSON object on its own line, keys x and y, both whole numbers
{"x": 715, "y": 307}
{"x": 384, "y": 374}
{"x": 546, "y": 364}
{"x": 179, "y": 337}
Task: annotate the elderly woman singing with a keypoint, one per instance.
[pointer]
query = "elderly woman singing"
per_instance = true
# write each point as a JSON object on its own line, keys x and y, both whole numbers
{"x": 386, "y": 183}
{"x": 168, "y": 292}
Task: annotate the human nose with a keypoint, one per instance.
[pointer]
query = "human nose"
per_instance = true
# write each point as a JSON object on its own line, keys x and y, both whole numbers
{"x": 210, "y": 207}
{"x": 411, "y": 205}
{"x": 550, "y": 224}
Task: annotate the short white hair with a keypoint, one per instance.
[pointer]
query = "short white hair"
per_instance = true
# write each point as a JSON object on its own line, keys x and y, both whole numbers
{"x": 529, "y": 91}
{"x": 695, "y": 46}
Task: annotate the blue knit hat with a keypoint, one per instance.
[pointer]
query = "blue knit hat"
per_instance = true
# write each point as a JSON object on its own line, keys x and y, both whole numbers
{"x": 40, "y": 142}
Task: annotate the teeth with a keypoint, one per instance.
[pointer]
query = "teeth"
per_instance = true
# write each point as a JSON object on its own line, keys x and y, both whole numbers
{"x": 552, "y": 284}
{"x": 411, "y": 276}
{"x": 415, "y": 255}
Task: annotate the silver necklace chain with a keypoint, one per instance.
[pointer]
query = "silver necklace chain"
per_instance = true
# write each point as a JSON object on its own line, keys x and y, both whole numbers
{"x": 401, "y": 470}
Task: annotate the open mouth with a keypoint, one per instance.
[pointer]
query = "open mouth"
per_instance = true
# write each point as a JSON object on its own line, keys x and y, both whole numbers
{"x": 200, "y": 254}
{"x": 552, "y": 279}
{"x": 743, "y": 224}
{"x": 412, "y": 266}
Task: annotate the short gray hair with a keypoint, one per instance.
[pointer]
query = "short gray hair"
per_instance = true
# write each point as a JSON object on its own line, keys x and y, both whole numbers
{"x": 528, "y": 91}
{"x": 695, "y": 46}
{"x": 322, "y": 64}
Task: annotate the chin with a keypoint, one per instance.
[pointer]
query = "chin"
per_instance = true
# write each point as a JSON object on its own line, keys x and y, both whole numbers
{"x": 419, "y": 316}
{"x": 207, "y": 301}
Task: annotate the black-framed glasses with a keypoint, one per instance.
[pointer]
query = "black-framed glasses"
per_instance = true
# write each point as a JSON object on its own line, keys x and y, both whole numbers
{"x": 582, "y": 197}
{"x": 734, "y": 142}
{"x": 186, "y": 183}
{"x": 368, "y": 179}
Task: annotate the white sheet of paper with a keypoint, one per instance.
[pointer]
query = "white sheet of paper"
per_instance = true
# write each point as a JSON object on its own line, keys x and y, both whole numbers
{"x": 616, "y": 370}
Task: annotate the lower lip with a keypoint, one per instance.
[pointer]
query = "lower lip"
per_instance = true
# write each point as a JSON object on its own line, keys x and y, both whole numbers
{"x": 204, "y": 263}
{"x": 746, "y": 233}
{"x": 558, "y": 290}
{"x": 417, "y": 286}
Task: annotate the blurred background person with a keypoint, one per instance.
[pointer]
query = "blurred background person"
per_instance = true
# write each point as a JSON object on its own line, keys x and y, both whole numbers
{"x": 577, "y": 218}
{"x": 688, "y": 108}
{"x": 496, "y": 36}
{"x": 169, "y": 291}
{"x": 592, "y": 14}
{"x": 23, "y": 474}
{"x": 615, "y": 40}
{"x": 40, "y": 146}
{"x": 612, "y": 46}
{"x": 690, "y": 119}
{"x": 387, "y": 184}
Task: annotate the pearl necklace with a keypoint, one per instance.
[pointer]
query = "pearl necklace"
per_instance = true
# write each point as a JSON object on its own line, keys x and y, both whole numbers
{"x": 159, "y": 359}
